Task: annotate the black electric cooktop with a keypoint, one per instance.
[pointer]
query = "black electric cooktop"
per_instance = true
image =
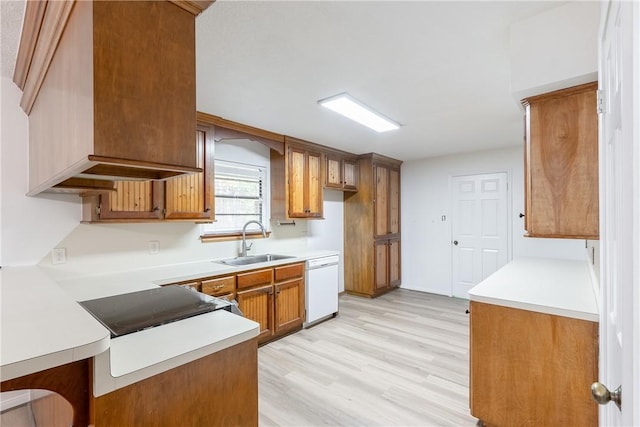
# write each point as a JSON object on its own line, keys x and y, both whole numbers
{"x": 135, "y": 311}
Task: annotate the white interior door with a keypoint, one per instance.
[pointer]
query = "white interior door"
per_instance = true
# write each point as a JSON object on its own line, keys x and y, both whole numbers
{"x": 617, "y": 213}
{"x": 479, "y": 224}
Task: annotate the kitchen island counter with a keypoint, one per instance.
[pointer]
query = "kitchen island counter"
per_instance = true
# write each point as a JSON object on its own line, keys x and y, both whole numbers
{"x": 551, "y": 286}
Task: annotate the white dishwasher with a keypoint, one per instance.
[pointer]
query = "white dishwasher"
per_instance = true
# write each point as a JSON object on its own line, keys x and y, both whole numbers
{"x": 321, "y": 287}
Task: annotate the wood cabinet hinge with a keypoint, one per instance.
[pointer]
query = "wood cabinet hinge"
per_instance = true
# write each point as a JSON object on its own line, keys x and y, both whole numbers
{"x": 98, "y": 209}
{"x": 600, "y": 101}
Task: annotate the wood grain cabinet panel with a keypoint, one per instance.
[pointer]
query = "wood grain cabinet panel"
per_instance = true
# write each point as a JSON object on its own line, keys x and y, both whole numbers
{"x": 305, "y": 185}
{"x": 192, "y": 196}
{"x": 289, "y": 305}
{"x": 561, "y": 164}
{"x": 183, "y": 198}
{"x": 301, "y": 171}
{"x": 289, "y": 271}
{"x": 132, "y": 200}
{"x": 277, "y": 306}
{"x": 529, "y": 368}
{"x": 257, "y": 304}
{"x": 341, "y": 172}
{"x": 95, "y": 109}
{"x": 220, "y": 389}
{"x": 372, "y": 228}
{"x": 255, "y": 278}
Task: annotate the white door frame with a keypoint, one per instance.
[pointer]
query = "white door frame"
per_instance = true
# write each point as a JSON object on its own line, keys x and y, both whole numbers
{"x": 509, "y": 173}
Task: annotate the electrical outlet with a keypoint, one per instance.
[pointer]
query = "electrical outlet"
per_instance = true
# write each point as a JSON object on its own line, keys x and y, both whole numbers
{"x": 154, "y": 247}
{"x": 59, "y": 256}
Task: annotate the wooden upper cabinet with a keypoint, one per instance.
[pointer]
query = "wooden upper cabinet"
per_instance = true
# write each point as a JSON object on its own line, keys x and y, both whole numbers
{"x": 341, "y": 172}
{"x": 561, "y": 164}
{"x": 192, "y": 196}
{"x": 116, "y": 100}
{"x": 132, "y": 200}
{"x": 183, "y": 198}
{"x": 296, "y": 181}
{"x": 305, "y": 183}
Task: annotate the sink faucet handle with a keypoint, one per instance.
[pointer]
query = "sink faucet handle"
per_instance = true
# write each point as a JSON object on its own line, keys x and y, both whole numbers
{"x": 249, "y": 246}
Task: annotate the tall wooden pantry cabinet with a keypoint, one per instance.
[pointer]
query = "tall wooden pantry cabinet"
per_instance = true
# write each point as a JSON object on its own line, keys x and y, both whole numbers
{"x": 372, "y": 228}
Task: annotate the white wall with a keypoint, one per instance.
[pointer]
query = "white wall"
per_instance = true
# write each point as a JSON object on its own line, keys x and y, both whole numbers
{"x": 425, "y": 197}
{"x": 555, "y": 49}
{"x": 329, "y": 233}
{"x": 30, "y": 226}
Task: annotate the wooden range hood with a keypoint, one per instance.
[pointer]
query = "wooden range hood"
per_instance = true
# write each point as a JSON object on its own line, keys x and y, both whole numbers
{"x": 109, "y": 87}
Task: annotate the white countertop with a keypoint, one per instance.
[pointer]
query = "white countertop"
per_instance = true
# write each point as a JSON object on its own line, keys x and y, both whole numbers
{"x": 558, "y": 287}
{"x": 43, "y": 326}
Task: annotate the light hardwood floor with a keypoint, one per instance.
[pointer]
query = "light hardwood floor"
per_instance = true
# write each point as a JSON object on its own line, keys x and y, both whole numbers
{"x": 398, "y": 360}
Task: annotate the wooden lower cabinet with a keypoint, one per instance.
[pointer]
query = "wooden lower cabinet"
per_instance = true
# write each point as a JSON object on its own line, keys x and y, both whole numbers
{"x": 257, "y": 304}
{"x": 530, "y": 368}
{"x": 289, "y": 305}
{"x": 387, "y": 264}
{"x": 217, "y": 390}
{"x": 220, "y": 389}
{"x": 274, "y": 298}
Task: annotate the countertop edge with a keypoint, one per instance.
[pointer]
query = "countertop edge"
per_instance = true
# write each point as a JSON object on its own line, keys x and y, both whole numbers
{"x": 552, "y": 286}
{"x": 580, "y": 315}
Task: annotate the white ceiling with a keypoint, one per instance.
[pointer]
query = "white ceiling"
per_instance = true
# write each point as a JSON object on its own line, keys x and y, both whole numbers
{"x": 441, "y": 68}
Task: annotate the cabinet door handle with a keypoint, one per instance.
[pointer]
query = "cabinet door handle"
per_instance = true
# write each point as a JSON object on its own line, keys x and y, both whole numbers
{"x": 455, "y": 242}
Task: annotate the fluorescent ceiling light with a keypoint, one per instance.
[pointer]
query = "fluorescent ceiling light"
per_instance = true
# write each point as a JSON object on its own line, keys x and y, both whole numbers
{"x": 351, "y": 108}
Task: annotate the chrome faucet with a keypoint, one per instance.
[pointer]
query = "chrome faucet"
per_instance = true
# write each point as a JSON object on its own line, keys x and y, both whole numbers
{"x": 246, "y": 248}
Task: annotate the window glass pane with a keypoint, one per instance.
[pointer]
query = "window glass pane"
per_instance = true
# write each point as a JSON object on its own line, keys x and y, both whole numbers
{"x": 237, "y": 187}
{"x": 239, "y": 197}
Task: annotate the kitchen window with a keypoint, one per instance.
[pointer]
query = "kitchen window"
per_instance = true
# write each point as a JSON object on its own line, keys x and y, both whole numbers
{"x": 240, "y": 196}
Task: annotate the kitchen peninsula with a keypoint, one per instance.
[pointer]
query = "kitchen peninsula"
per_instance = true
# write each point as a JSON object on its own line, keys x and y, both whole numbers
{"x": 534, "y": 329}
{"x": 50, "y": 342}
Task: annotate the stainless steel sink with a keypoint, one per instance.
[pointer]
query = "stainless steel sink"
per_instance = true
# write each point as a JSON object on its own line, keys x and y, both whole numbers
{"x": 253, "y": 259}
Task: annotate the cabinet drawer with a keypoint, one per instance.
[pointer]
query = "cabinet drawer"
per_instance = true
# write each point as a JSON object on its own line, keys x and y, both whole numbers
{"x": 219, "y": 285}
{"x": 254, "y": 278}
{"x": 288, "y": 271}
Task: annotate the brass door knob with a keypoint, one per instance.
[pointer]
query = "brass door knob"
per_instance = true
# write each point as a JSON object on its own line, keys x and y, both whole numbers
{"x": 602, "y": 395}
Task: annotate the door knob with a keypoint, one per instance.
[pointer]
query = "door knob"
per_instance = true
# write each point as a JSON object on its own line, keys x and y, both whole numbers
{"x": 455, "y": 242}
{"x": 602, "y": 395}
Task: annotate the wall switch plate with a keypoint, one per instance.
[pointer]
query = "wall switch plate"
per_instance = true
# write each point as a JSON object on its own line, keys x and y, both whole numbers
{"x": 59, "y": 256}
{"x": 154, "y": 247}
